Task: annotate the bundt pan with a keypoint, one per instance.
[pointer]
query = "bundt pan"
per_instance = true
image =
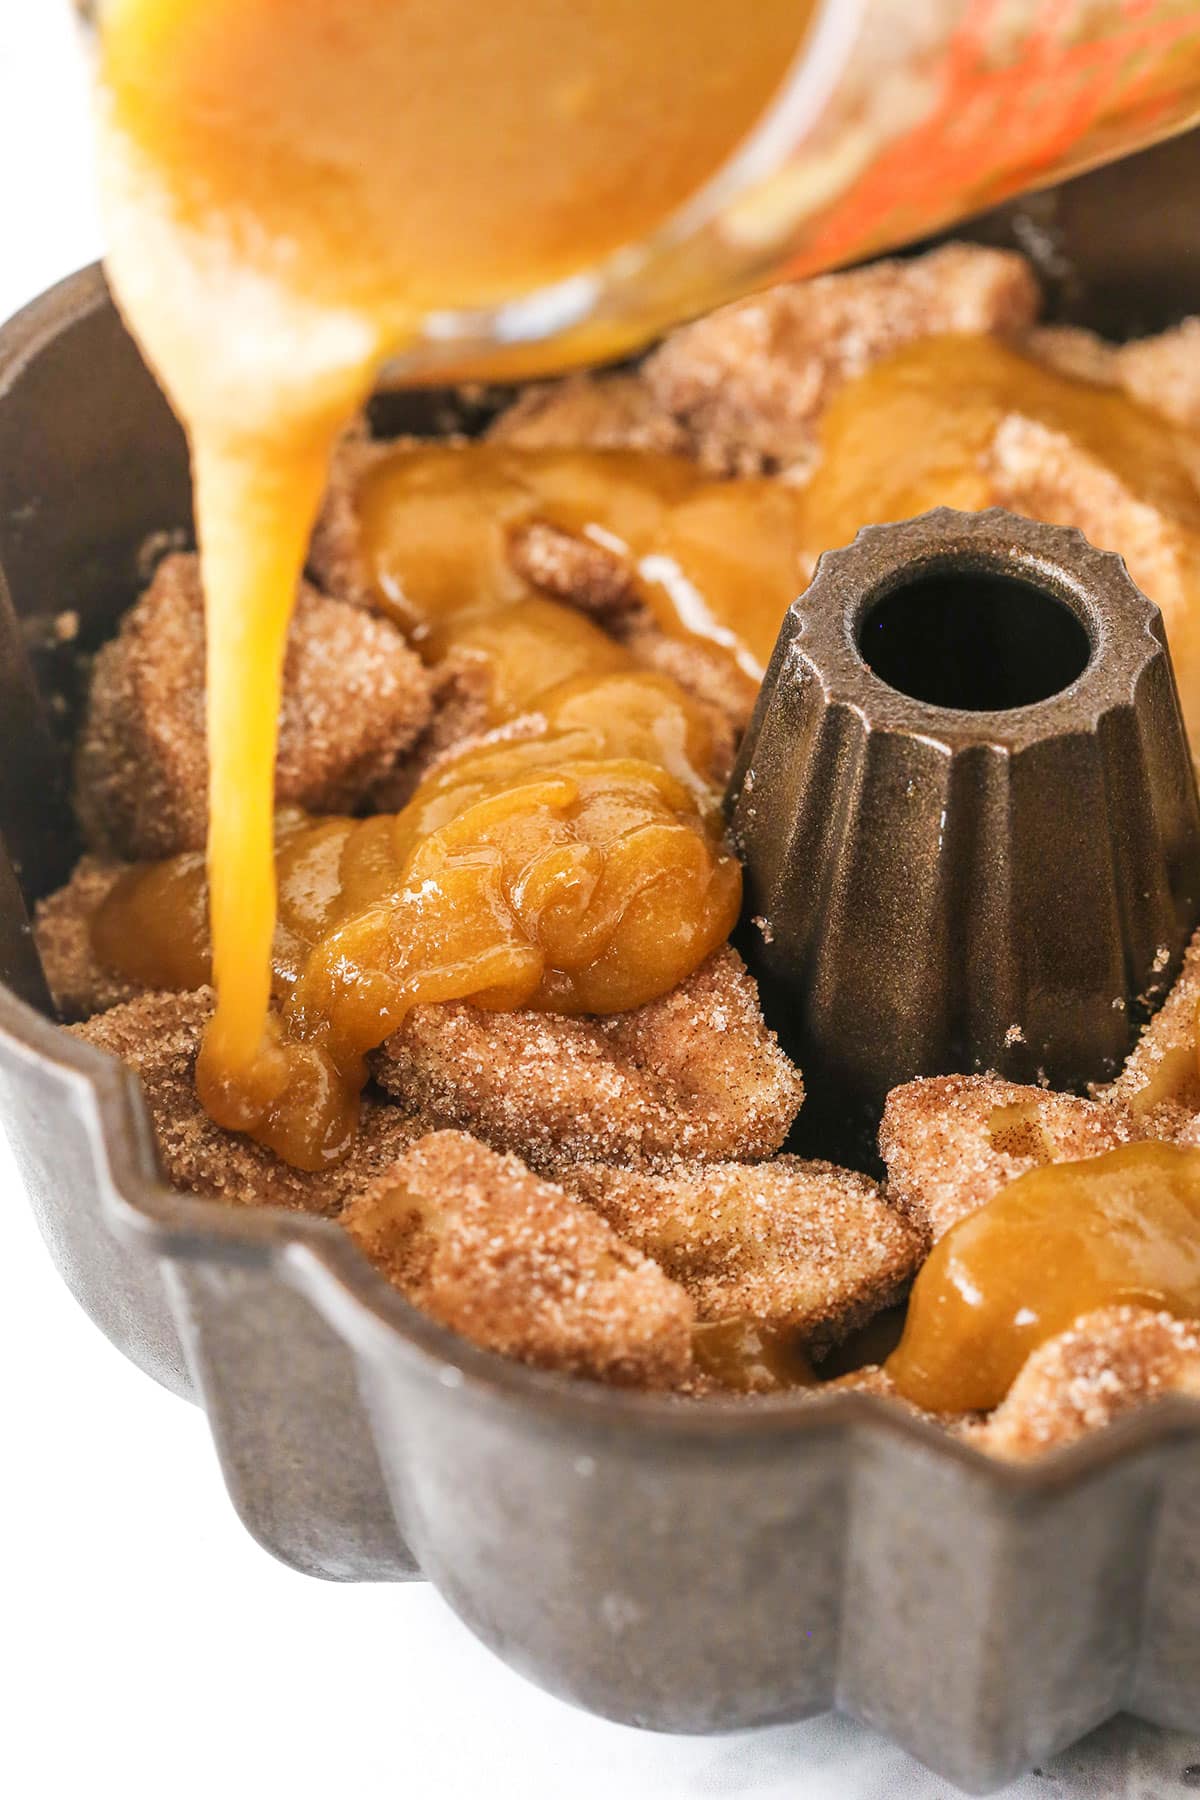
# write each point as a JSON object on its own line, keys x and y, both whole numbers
{"x": 684, "y": 1568}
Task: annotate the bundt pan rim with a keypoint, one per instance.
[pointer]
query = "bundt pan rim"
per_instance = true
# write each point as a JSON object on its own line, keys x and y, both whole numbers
{"x": 832, "y": 636}
{"x": 174, "y": 1280}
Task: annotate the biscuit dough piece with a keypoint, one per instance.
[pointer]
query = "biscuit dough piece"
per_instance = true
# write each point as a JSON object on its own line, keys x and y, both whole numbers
{"x": 593, "y": 412}
{"x": 519, "y": 1266}
{"x": 1160, "y": 1083}
{"x": 354, "y": 697}
{"x": 751, "y": 381}
{"x": 794, "y": 1245}
{"x": 695, "y": 1074}
{"x": 62, "y": 931}
{"x": 951, "y": 1142}
{"x": 1111, "y": 1362}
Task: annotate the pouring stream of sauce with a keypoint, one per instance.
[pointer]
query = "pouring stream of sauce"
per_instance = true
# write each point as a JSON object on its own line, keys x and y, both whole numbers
{"x": 291, "y": 190}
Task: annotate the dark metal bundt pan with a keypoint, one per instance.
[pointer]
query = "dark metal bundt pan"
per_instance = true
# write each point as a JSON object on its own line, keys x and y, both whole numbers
{"x": 683, "y": 1568}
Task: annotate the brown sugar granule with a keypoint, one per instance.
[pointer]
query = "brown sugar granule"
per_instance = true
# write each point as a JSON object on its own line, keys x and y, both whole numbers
{"x": 62, "y": 932}
{"x": 799, "y": 1245}
{"x": 693, "y": 1075}
{"x": 752, "y": 380}
{"x": 158, "y": 1036}
{"x": 519, "y": 1266}
{"x": 952, "y": 1141}
{"x": 1109, "y": 1363}
{"x": 1160, "y": 1083}
{"x": 354, "y": 697}
{"x": 592, "y": 412}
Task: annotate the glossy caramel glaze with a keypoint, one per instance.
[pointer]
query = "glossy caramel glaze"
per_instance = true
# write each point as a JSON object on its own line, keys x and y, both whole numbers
{"x": 713, "y": 559}
{"x": 1059, "y": 1242}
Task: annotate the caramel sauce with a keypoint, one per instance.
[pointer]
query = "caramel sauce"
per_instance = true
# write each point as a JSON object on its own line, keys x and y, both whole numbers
{"x": 713, "y": 559}
{"x": 1059, "y": 1242}
{"x": 744, "y": 1357}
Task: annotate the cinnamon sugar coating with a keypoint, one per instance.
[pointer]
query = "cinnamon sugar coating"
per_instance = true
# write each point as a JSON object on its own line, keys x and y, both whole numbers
{"x": 592, "y": 578}
{"x": 517, "y": 1265}
{"x": 789, "y": 1244}
{"x": 335, "y": 560}
{"x": 951, "y": 1142}
{"x": 354, "y": 697}
{"x": 461, "y": 693}
{"x": 1163, "y": 372}
{"x": 594, "y": 412}
{"x": 158, "y": 1037}
{"x": 1109, "y": 1363}
{"x": 752, "y": 380}
{"x": 1074, "y": 351}
{"x": 872, "y": 1379}
{"x": 695, "y": 1074}
{"x": 1160, "y": 1083}
{"x": 62, "y": 932}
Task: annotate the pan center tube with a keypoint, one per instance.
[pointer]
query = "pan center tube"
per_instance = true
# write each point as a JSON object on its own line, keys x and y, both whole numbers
{"x": 967, "y": 815}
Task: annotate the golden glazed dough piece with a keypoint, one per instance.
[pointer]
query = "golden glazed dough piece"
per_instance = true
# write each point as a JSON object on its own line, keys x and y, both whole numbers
{"x": 695, "y": 1074}
{"x": 519, "y": 1266}
{"x": 1111, "y": 1362}
{"x": 158, "y": 1037}
{"x": 354, "y": 697}
{"x": 951, "y": 1142}
{"x": 591, "y": 578}
{"x": 794, "y": 1245}
{"x": 752, "y": 380}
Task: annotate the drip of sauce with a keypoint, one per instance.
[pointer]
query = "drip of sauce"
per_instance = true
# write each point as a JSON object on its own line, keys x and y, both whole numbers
{"x": 290, "y": 194}
{"x": 1059, "y": 1242}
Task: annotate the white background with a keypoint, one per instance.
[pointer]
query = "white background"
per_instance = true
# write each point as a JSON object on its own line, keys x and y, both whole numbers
{"x": 150, "y": 1647}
